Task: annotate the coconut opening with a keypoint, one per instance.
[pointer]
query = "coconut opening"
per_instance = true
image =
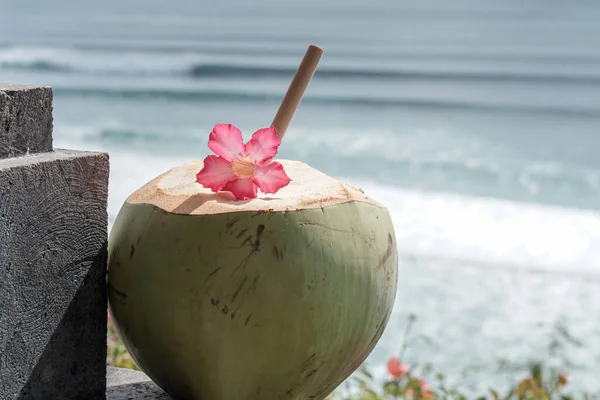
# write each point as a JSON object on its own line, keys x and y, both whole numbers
{"x": 176, "y": 191}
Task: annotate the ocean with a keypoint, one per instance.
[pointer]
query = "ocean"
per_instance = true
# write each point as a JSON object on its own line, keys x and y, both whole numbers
{"x": 475, "y": 122}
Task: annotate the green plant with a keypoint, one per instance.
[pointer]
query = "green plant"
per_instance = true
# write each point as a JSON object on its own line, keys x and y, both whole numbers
{"x": 537, "y": 382}
{"x": 116, "y": 353}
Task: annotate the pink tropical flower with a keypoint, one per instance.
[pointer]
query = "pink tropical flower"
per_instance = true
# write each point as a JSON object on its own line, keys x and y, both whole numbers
{"x": 425, "y": 389}
{"x": 427, "y": 395}
{"x": 241, "y": 168}
{"x": 396, "y": 369}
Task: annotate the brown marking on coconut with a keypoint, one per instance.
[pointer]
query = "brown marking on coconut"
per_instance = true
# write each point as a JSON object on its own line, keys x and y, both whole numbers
{"x": 212, "y": 273}
{"x": 259, "y": 231}
{"x": 388, "y": 252}
{"x": 308, "y": 362}
{"x": 231, "y": 222}
{"x": 239, "y": 289}
{"x": 278, "y": 255}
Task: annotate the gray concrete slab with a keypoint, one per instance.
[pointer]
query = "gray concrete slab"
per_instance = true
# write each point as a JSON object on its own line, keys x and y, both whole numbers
{"x": 127, "y": 384}
{"x": 53, "y": 232}
{"x": 25, "y": 120}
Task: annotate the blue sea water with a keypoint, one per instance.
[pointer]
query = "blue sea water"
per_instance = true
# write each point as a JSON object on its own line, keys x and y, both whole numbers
{"x": 475, "y": 122}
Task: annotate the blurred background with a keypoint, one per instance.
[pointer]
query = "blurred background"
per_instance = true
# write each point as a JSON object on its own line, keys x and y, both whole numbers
{"x": 475, "y": 122}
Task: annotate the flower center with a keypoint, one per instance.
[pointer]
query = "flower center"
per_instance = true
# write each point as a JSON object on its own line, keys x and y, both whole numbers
{"x": 244, "y": 167}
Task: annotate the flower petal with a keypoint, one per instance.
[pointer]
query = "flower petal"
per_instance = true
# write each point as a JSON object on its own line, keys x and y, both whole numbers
{"x": 263, "y": 145}
{"x": 271, "y": 177}
{"x": 396, "y": 369}
{"x": 226, "y": 141}
{"x": 216, "y": 173}
{"x": 242, "y": 189}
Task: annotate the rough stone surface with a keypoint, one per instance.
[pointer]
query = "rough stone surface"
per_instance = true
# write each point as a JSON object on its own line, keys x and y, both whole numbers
{"x": 126, "y": 384}
{"x": 53, "y": 230}
{"x": 25, "y": 120}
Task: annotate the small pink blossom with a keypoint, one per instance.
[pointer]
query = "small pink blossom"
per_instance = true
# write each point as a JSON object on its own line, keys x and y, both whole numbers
{"x": 396, "y": 369}
{"x": 425, "y": 389}
{"x": 241, "y": 168}
{"x": 427, "y": 395}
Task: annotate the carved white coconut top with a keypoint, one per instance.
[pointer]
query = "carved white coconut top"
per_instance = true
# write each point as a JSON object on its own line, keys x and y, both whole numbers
{"x": 176, "y": 191}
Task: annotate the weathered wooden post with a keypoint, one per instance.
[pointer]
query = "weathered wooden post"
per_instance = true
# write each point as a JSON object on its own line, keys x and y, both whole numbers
{"x": 53, "y": 231}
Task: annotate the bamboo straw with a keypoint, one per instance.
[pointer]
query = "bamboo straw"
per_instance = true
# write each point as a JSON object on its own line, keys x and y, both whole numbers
{"x": 296, "y": 90}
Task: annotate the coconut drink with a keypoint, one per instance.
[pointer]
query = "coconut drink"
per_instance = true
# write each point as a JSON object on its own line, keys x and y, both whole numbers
{"x": 246, "y": 277}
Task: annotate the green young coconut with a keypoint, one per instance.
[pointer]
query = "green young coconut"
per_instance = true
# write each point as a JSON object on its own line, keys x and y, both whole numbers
{"x": 279, "y": 297}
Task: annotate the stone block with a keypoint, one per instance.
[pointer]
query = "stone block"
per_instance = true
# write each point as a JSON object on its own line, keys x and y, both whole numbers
{"x": 127, "y": 384}
{"x": 53, "y": 231}
{"x": 25, "y": 120}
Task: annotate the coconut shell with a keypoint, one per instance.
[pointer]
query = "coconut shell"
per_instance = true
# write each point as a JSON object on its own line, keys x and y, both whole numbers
{"x": 279, "y": 297}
